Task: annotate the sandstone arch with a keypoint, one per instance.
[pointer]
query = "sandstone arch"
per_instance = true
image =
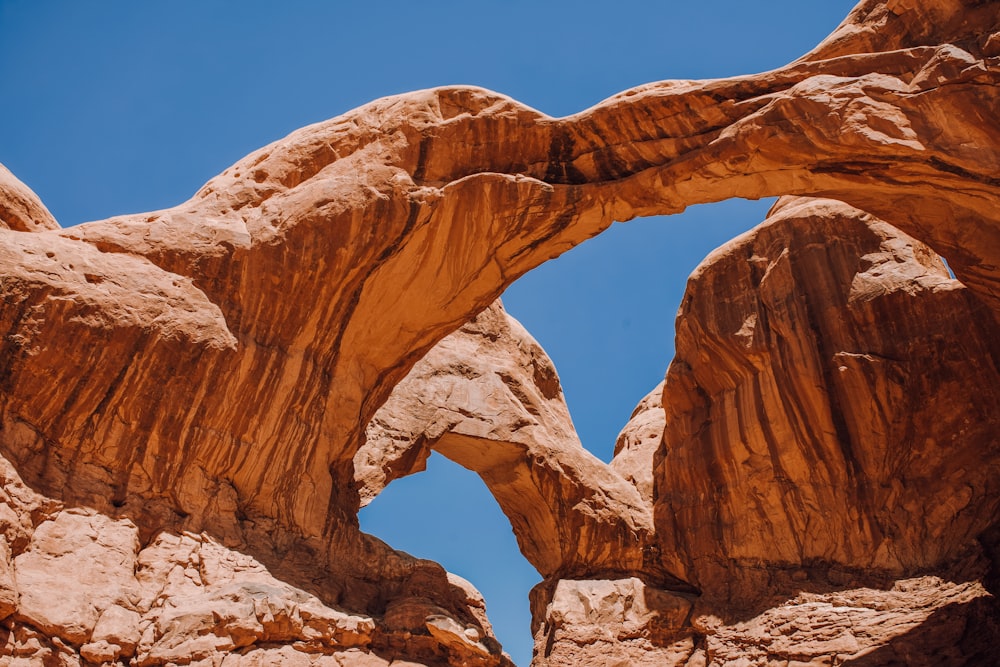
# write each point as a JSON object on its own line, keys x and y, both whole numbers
{"x": 488, "y": 398}
{"x": 126, "y": 339}
{"x": 856, "y": 122}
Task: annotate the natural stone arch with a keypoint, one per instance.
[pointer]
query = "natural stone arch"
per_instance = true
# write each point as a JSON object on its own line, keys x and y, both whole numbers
{"x": 309, "y": 278}
{"x": 749, "y": 414}
{"x": 488, "y": 398}
{"x": 447, "y": 195}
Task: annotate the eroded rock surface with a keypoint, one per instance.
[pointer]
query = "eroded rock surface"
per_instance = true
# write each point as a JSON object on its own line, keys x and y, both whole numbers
{"x": 638, "y": 441}
{"x": 836, "y": 407}
{"x": 488, "y": 398}
{"x": 757, "y": 503}
{"x": 80, "y": 586}
{"x": 918, "y": 621}
{"x": 311, "y": 277}
{"x": 363, "y": 216}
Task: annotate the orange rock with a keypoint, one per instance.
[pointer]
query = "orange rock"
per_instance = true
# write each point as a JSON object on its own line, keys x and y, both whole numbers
{"x": 212, "y": 368}
{"x": 364, "y": 215}
{"x": 488, "y": 398}
{"x": 622, "y": 622}
{"x": 20, "y": 209}
{"x": 835, "y": 408}
{"x": 757, "y": 502}
{"x": 638, "y": 442}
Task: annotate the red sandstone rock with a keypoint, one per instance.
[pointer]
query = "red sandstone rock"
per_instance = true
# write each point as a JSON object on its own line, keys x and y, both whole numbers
{"x": 837, "y": 408}
{"x": 20, "y": 208}
{"x": 362, "y": 213}
{"x": 638, "y": 442}
{"x": 489, "y": 398}
{"x": 756, "y": 502}
{"x": 125, "y": 340}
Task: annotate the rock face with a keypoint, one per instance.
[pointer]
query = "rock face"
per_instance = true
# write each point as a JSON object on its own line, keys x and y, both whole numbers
{"x": 20, "y": 209}
{"x": 488, "y": 398}
{"x": 829, "y": 424}
{"x": 835, "y": 408}
{"x": 827, "y": 430}
{"x": 638, "y": 442}
{"x": 82, "y": 586}
{"x": 362, "y": 213}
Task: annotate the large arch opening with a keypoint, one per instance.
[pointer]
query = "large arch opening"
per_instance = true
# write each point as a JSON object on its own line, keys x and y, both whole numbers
{"x": 604, "y": 311}
{"x": 598, "y": 380}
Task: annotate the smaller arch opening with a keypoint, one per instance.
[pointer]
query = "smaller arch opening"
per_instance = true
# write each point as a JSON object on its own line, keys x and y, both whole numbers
{"x": 446, "y": 514}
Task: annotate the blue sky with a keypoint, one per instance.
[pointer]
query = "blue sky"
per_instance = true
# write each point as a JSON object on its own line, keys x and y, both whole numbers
{"x": 118, "y": 107}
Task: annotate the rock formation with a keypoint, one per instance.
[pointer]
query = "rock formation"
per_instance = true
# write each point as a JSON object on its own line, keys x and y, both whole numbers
{"x": 187, "y": 396}
{"x": 488, "y": 398}
{"x": 834, "y": 408}
{"x": 827, "y": 431}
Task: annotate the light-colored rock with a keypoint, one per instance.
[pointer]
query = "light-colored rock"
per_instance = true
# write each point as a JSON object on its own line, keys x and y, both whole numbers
{"x": 8, "y": 587}
{"x": 400, "y": 229}
{"x": 613, "y": 622}
{"x": 454, "y": 636}
{"x": 20, "y": 209}
{"x": 118, "y": 626}
{"x": 638, "y": 442}
{"x": 614, "y": 610}
{"x": 92, "y": 593}
{"x": 488, "y": 398}
{"x": 919, "y": 621}
{"x": 100, "y": 652}
{"x": 201, "y": 599}
{"x": 123, "y": 343}
{"x": 476, "y": 603}
{"x": 77, "y": 565}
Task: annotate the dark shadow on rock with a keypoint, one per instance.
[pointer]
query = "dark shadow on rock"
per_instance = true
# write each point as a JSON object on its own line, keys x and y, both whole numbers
{"x": 957, "y": 635}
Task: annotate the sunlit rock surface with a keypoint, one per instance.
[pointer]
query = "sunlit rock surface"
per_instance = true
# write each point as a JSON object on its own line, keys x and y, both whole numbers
{"x": 832, "y": 401}
{"x": 827, "y": 432}
{"x": 196, "y": 384}
{"x": 488, "y": 398}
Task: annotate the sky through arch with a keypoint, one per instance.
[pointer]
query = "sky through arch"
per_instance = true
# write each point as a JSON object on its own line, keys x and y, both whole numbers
{"x": 119, "y": 107}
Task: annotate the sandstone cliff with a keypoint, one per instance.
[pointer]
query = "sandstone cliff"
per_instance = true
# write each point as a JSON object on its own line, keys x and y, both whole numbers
{"x": 836, "y": 407}
{"x": 826, "y": 431}
{"x": 198, "y": 442}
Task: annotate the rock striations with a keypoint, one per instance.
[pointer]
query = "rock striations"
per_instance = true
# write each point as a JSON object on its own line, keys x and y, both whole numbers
{"x": 834, "y": 408}
{"x": 826, "y": 432}
{"x": 813, "y": 484}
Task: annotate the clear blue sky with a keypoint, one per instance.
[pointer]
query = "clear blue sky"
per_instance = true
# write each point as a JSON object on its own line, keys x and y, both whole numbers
{"x": 121, "y": 106}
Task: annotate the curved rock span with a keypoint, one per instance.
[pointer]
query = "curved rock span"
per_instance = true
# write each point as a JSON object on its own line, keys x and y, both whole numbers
{"x": 488, "y": 398}
{"x": 824, "y": 445}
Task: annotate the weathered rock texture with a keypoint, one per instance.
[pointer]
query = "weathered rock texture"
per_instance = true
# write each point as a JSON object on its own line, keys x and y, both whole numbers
{"x": 20, "y": 209}
{"x": 488, "y": 398}
{"x": 919, "y": 621}
{"x": 200, "y": 380}
{"x": 837, "y": 407}
{"x": 79, "y": 585}
{"x": 827, "y": 430}
{"x": 638, "y": 441}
